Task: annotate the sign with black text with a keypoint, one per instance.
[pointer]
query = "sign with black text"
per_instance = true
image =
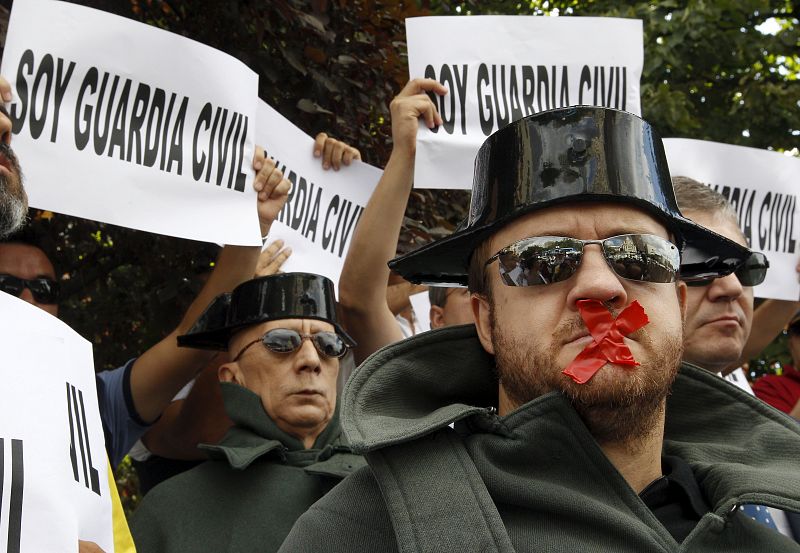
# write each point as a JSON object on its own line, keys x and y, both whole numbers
{"x": 499, "y": 68}
{"x": 124, "y": 123}
{"x": 53, "y": 465}
{"x": 763, "y": 188}
{"x": 323, "y": 207}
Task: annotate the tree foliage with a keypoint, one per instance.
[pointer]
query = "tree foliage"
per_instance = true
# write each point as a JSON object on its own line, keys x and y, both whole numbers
{"x": 334, "y": 65}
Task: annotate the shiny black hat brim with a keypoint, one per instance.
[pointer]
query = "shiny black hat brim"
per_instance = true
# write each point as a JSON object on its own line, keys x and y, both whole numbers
{"x": 445, "y": 262}
{"x": 561, "y": 157}
{"x": 271, "y": 298}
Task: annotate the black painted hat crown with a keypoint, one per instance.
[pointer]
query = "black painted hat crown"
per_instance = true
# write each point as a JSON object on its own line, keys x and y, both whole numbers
{"x": 269, "y": 298}
{"x": 563, "y": 156}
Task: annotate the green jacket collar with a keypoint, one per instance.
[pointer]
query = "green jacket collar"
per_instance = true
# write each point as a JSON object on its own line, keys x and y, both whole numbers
{"x": 740, "y": 449}
{"x": 255, "y": 434}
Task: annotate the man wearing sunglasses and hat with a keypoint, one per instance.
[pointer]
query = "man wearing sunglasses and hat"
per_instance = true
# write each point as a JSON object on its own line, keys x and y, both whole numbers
{"x": 575, "y": 426}
{"x": 286, "y": 449}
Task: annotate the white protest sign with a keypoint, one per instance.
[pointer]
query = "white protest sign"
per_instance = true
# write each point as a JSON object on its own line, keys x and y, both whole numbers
{"x": 323, "y": 208}
{"x": 128, "y": 124}
{"x": 53, "y": 467}
{"x": 421, "y": 304}
{"x": 763, "y": 188}
{"x": 501, "y": 68}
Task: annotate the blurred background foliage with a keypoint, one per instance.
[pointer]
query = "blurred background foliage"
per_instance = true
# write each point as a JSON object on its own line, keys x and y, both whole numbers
{"x": 722, "y": 70}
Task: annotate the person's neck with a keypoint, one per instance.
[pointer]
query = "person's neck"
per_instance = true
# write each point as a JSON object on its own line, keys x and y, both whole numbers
{"x": 638, "y": 460}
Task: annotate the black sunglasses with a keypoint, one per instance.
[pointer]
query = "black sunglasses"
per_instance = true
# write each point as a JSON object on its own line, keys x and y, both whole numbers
{"x": 286, "y": 340}
{"x": 43, "y": 289}
{"x": 548, "y": 259}
{"x": 750, "y": 272}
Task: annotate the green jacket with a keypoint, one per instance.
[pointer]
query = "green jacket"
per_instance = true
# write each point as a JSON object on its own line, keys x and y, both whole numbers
{"x": 246, "y": 498}
{"x": 550, "y": 487}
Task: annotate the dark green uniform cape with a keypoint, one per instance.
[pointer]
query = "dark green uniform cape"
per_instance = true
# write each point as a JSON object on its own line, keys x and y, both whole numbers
{"x": 535, "y": 480}
{"x": 259, "y": 481}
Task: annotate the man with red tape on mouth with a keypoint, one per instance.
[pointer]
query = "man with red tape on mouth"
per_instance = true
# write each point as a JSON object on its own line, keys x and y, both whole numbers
{"x": 566, "y": 436}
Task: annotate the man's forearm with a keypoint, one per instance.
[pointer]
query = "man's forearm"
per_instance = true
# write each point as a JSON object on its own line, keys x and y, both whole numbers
{"x": 160, "y": 372}
{"x": 362, "y": 286}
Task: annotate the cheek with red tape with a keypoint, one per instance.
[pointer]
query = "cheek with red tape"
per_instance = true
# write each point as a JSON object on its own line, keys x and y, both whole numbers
{"x": 607, "y": 333}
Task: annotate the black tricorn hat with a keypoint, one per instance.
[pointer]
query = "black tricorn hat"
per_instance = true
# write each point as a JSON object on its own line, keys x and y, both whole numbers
{"x": 569, "y": 155}
{"x": 269, "y": 298}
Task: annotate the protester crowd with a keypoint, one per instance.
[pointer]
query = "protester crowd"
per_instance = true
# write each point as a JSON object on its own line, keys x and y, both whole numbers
{"x": 570, "y": 396}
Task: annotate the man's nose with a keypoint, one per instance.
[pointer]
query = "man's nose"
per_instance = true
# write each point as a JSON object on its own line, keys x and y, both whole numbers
{"x": 727, "y": 288}
{"x": 307, "y": 358}
{"x": 595, "y": 280}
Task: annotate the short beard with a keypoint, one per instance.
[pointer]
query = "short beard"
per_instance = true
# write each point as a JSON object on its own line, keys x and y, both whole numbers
{"x": 626, "y": 412}
{"x": 13, "y": 199}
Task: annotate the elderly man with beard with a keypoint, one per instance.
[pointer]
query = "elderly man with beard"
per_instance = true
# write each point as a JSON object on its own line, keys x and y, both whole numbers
{"x": 566, "y": 436}
{"x": 286, "y": 448}
{"x": 13, "y": 199}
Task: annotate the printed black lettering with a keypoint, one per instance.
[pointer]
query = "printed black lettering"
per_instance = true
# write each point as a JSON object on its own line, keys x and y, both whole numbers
{"x": 327, "y": 236}
{"x": 448, "y": 116}
{"x": 461, "y": 87}
{"x": 311, "y": 228}
{"x": 176, "y": 144}
{"x": 528, "y": 82}
{"x": 44, "y": 73}
{"x": 152, "y": 134}
{"x": 241, "y": 175}
{"x": 543, "y": 87}
{"x": 234, "y": 150}
{"x": 503, "y": 116}
{"x": 83, "y": 133}
{"x": 198, "y": 163}
{"x": 25, "y": 67}
{"x": 137, "y": 121}
{"x": 513, "y": 92}
{"x": 430, "y": 73}
{"x": 212, "y": 138}
{"x": 484, "y": 102}
{"x": 101, "y": 138}
{"x": 120, "y": 122}
{"x": 167, "y": 120}
{"x": 763, "y": 234}
{"x": 62, "y": 80}
{"x": 76, "y": 415}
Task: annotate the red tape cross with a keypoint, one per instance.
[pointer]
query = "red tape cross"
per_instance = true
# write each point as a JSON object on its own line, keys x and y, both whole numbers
{"x": 608, "y": 345}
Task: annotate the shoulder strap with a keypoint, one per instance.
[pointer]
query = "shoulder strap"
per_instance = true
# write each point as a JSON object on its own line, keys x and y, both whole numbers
{"x": 436, "y": 499}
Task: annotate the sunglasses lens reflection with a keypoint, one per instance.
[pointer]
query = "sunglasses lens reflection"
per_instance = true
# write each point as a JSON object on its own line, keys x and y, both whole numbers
{"x": 548, "y": 259}
{"x": 285, "y": 340}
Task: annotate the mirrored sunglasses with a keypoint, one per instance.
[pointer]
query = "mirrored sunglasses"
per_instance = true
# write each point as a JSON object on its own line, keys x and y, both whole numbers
{"x": 43, "y": 289}
{"x": 751, "y": 272}
{"x": 286, "y": 340}
{"x": 548, "y": 259}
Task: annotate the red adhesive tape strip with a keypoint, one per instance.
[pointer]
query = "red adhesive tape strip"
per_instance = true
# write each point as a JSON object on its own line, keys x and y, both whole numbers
{"x": 607, "y": 344}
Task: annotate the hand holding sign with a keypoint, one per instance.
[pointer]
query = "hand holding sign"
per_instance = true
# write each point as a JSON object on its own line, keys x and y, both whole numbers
{"x": 272, "y": 189}
{"x": 5, "y": 89}
{"x": 407, "y": 107}
{"x": 272, "y": 258}
{"x": 334, "y": 153}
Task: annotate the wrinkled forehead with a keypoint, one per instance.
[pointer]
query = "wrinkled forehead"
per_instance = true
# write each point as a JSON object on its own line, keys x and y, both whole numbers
{"x": 587, "y": 221}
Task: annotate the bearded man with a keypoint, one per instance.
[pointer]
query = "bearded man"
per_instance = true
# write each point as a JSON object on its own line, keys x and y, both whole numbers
{"x": 566, "y": 437}
{"x": 13, "y": 199}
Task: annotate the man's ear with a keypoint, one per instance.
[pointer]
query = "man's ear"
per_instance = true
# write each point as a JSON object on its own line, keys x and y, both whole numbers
{"x": 682, "y": 291}
{"x": 231, "y": 372}
{"x": 437, "y": 317}
{"x": 482, "y": 315}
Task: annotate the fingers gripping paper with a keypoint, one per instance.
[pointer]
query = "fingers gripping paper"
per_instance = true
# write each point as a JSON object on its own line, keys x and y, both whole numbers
{"x": 607, "y": 345}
